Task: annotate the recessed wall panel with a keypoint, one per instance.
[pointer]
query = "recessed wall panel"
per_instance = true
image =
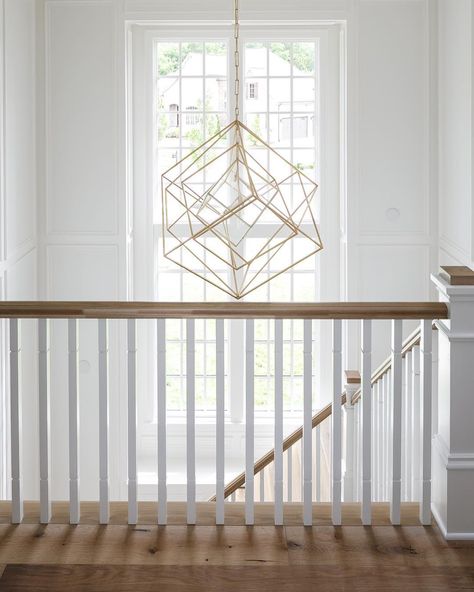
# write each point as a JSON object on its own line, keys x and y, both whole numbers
{"x": 81, "y": 124}
{"x": 393, "y": 104}
{"x": 82, "y": 272}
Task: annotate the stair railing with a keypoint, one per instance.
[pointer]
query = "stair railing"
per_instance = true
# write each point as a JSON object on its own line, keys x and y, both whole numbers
{"x": 73, "y": 312}
{"x": 352, "y": 378}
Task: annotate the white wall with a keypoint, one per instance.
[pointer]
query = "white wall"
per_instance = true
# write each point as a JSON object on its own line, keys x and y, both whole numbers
{"x": 456, "y": 127}
{"x": 18, "y": 236}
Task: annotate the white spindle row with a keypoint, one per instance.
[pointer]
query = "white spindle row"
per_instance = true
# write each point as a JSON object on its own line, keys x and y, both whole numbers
{"x": 401, "y": 427}
{"x": 386, "y": 434}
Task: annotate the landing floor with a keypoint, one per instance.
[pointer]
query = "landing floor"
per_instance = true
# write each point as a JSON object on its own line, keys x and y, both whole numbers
{"x": 179, "y": 558}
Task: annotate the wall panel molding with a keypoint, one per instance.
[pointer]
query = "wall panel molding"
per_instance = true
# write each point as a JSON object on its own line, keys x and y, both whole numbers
{"x": 216, "y": 9}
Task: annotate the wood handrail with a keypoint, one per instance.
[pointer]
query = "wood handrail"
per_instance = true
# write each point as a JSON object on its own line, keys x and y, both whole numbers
{"x": 412, "y": 340}
{"x": 226, "y": 310}
{"x": 409, "y": 343}
{"x": 269, "y": 457}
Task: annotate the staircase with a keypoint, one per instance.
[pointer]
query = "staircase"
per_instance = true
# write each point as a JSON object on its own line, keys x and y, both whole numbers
{"x": 350, "y": 401}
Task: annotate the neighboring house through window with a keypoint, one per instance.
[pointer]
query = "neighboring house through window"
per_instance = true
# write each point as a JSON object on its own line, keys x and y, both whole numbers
{"x": 174, "y": 115}
{"x": 252, "y": 90}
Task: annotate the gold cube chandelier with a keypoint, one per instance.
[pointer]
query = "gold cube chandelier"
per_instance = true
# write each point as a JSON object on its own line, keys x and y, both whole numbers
{"x": 223, "y": 194}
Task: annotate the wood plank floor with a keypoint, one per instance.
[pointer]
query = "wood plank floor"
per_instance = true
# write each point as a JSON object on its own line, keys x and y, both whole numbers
{"x": 206, "y": 513}
{"x": 178, "y": 558}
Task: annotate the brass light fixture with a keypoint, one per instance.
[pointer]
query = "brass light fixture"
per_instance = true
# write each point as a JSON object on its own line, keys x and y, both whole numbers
{"x": 221, "y": 191}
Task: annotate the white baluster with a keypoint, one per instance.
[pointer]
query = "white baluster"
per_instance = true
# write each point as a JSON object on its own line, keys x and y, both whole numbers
{"x": 44, "y": 419}
{"x": 387, "y": 436}
{"x": 374, "y": 446}
{"x": 434, "y": 356}
{"x": 409, "y": 426}
{"x": 336, "y": 423}
{"x": 300, "y": 457}
{"x": 161, "y": 412}
{"x": 313, "y": 447}
{"x": 15, "y": 421}
{"x": 416, "y": 419}
{"x": 375, "y": 439}
{"x": 357, "y": 476}
{"x": 350, "y": 454}
{"x": 220, "y": 422}
{"x": 426, "y": 421}
{"x": 74, "y": 505}
{"x": 386, "y": 495}
{"x": 307, "y": 421}
{"x": 249, "y": 422}
{"x": 104, "y": 512}
{"x": 262, "y": 485}
{"x": 232, "y": 497}
{"x": 381, "y": 438}
{"x": 382, "y": 428}
{"x": 132, "y": 421}
{"x": 396, "y": 391}
{"x": 318, "y": 463}
{"x": 404, "y": 429}
{"x": 289, "y": 459}
{"x": 366, "y": 389}
{"x": 390, "y": 434}
{"x": 278, "y": 422}
{"x": 191, "y": 421}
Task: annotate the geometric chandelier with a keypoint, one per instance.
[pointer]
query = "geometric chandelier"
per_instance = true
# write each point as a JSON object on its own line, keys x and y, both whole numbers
{"x": 221, "y": 191}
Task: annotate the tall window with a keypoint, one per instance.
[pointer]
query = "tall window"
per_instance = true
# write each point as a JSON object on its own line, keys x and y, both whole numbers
{"x": 281, "y": 106}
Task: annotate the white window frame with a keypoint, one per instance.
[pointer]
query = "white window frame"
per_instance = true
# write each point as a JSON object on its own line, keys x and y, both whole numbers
{"x": 143, "y": 184}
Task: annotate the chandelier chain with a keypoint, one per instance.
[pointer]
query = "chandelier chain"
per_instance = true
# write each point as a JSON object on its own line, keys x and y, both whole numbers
{"x": 236, "y": 58}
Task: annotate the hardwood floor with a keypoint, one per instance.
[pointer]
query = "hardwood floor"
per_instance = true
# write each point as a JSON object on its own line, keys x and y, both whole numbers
{"x": 112, "y": 578}
{"x": 178, "y": 558}
{"x": 206, "y": 513}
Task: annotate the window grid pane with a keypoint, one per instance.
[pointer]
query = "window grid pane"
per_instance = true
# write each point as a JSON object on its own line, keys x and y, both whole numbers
{"x": 280, "y": 105}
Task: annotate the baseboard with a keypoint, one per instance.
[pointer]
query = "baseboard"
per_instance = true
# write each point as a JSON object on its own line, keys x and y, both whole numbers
{"x": 450, "y": 536}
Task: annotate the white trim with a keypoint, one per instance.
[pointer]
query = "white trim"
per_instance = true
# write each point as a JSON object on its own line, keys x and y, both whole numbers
{"x": 450, "y": 536}
{"x": 455, "y": 293}
{"x": 453, "y": 461}
{"x": 451, "y": 335}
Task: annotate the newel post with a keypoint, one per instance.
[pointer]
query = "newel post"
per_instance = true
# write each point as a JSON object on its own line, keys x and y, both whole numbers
{"x": 453, "y": 441}
{"x": 351, "y": 386}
